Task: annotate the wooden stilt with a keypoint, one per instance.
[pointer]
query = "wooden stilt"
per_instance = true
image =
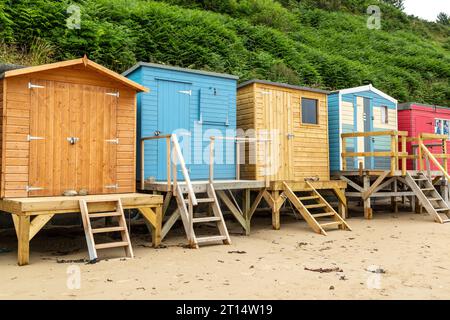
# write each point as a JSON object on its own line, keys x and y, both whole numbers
{"x": 246, "y": 207}
{"x": 276, "y": 211}
{"x": 367, "y": 207}
{"x": 23, "y": 237}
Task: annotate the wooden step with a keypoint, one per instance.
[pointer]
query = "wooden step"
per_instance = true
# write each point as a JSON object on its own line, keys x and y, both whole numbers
{"x": 204, "y": 200}
{"x": 331, "y": 224}
{"x": 446, "y": 221}
{"x": 325, "y": 214}
{"x": 211, "y": 239}
{"x": 108, "y": 229}
{"x": 313, "y": 206}
{"x": 442, "y": 209}
{"x": 104, "y": 214}
{"x": 420, "y": 179}
{"x": 308, "y": 198}
{"x": 435, "y": 199}
{"x": 205, "y": 219}
{"x": 111, "y": 245}
{"x": 428, "y": 189}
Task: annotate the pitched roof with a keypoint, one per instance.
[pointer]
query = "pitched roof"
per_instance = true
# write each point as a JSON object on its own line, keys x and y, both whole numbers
{"x": 82, "y": 61}
{"x": 284, "y": 85}
{"x": 368, "y": 87}
{"x": 163, "y": 66}
{"x": 7, "y": 66}
{"x": 409, "y": 105}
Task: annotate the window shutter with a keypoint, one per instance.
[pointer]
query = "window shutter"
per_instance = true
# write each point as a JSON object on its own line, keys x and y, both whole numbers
{"x": 214, "y": 106}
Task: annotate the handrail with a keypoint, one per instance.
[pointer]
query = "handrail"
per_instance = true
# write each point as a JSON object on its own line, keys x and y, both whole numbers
{"x": 167, "y": 137}
{"x": 187, "y": 179}
{"x": 393, "y": 153}
{"x": 435, "y": 161}
{"x": 238, "y": 156}
{"x": 178, "y": 155}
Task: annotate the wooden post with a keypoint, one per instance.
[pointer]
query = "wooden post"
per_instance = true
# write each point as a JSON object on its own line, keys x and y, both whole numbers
{"x": 23, "y": 240}
{"x": 393, "y": 157}
{"x": 276, "y": 211}
{"x": 246, "y": 207}
{"x": 168, "y": 146}
{"x": 420, "y": 142}
{"x": 344, "y": 150}
{"x": 238, "y": 160}
{"x": 444, "y": 150}
{"x": 156, "y": 234}
{"x": 404, "y": 158}
{"x": 211, "y": 161}
{"x": 394, "y": 203}
{"x": 142, "y": 165}
{"x": 367, "y": 208}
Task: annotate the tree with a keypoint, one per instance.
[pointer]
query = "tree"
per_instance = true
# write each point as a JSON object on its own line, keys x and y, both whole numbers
{"x": 399, "y": 4}
{"x": 443, "y": 18}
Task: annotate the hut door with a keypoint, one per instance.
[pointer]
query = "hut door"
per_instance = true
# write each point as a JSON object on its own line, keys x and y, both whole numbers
{"x": 278, "y": 121}
{"x": 173, "y": 117}
{"x": 72, "y": 132}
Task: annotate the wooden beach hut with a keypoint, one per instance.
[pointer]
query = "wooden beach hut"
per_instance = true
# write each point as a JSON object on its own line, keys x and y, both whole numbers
{"x": 360, "y": 109}
{"x": 296, "y": 161}
{"x": 418, "y": 118}
{"x": 66, "y": 127}
{"x": 187, "y": 147}
{"x": 369, "y": 153}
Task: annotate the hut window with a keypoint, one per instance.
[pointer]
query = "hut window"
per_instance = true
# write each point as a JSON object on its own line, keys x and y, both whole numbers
{"x": 309, "y": 111}
{"x": 442, "y": 127}
{"x": 384, "y": 115}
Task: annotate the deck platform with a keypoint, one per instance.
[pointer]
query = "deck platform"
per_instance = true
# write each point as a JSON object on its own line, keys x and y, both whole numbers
{"x": 365, "y": 185}
{"x": 252, "y": 193}
{"x": 30, "y": 215}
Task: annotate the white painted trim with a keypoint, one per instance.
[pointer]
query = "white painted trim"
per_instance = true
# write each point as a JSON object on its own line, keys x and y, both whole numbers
{"x": 368, "y": 88}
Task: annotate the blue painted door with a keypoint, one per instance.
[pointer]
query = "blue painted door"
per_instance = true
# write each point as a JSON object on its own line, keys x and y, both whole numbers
{"x": 173, "y": 115}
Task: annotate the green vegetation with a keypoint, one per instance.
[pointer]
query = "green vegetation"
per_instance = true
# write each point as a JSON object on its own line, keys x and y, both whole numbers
{"x": 320, "y": 43}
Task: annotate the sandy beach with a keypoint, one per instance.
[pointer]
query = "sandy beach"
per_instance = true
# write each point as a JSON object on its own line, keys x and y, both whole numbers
{"x": 394, "y": 256}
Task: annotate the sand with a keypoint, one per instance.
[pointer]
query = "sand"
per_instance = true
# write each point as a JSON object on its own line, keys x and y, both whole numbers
{"x": 410, "y": 249}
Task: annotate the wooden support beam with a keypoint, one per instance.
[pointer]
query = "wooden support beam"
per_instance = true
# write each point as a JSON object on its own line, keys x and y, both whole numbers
{"x": 342, "y": 206}
{"x": 276, "y": 211}
{"x": 368, "y": 192}
{"x": 232, "y": 207}
{"x": 166, "y": 202}
{"x": 367, "y": 208}
{"x": 15, "y": 219}
{"x": 351, "y": 183}
{"x": 38, "y": 223}
{"x": 155, "y": 220}
{"x": 256, "y": 203}
{"x": 170, "y": 222}
{"x": 23, "y": 237}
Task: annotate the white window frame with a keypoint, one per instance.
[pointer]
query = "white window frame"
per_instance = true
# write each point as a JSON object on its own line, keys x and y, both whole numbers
{"x": 441, "y": 126}
{"x": 384, "y": 114}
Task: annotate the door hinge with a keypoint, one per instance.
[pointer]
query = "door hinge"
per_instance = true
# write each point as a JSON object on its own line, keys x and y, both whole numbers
{"x": 290, "y": 135}
{"x": 30, "y": 138}
{"x": 31, "y": 86}
{"x": 115, "y": 141}
{"x": 112, "y": 186}
{"x": 188, "y": 92}
{"x": 114, "y": 94}
{"x": 29, "y": 188}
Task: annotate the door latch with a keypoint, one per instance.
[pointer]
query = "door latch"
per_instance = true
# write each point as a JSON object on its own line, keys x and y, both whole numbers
{"x": 73, "y": 140}
{"x": 157, "y": 133}
{"x": 290, "y": 135}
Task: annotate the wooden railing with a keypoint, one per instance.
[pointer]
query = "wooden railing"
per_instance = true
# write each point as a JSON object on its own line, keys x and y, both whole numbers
{"x": 238, "y": 141}
{"x": 424, "y": 155}
{"x": 394, "y": 154}
{"x": 177, "y": 157}
{"x": 421, "y": 151}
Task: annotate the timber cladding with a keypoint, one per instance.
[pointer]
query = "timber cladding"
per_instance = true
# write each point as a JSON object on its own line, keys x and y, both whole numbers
{"x": 298, "y": 150}
{"x": 67, "y": 128}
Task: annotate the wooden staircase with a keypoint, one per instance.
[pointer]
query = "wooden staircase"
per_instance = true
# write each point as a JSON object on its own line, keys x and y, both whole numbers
{"x": 191, "y": 219}
{"x": 121, "y": 227}
{"x": 429, "y": 197}
{"x": 316, "y": 211}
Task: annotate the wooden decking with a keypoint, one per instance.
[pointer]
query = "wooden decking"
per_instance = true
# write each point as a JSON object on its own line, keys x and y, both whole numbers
{"x": 30, "y": 215}
{"x": 200, "y": 185}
